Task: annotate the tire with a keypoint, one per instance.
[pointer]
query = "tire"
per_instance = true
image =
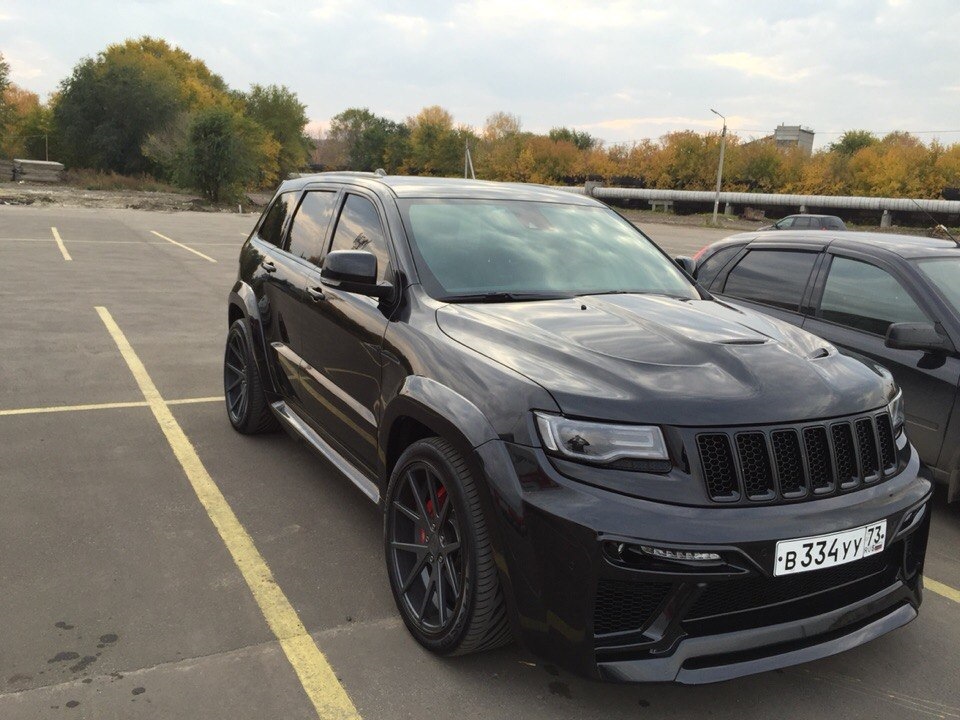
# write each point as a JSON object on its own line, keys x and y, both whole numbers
{"x": 247, "y": 406}
{"x": 443, "y": 535}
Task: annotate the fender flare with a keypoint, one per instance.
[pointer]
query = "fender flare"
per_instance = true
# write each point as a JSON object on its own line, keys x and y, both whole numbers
{"x": 242, "y": 297}
{"x": 441, "y": 409}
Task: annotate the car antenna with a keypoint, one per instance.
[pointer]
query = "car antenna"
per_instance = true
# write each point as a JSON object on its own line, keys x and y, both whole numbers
{"x": 936, "y": 225}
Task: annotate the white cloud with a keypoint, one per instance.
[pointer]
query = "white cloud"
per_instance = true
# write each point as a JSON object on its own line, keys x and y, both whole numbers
{"x": 751, "y": 65}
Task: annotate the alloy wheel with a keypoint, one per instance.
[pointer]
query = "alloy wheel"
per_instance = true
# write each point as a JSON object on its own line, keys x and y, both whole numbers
{"x": 235, "y": 377}
{"x": 425, "y": 548}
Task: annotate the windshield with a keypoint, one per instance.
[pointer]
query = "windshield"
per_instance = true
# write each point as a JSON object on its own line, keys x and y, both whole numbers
{"x": 503, "y": 250}
{"x": 944, "y": 273}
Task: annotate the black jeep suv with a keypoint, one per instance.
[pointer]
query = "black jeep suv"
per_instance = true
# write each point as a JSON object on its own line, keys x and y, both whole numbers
{"x": 570, "y": 442}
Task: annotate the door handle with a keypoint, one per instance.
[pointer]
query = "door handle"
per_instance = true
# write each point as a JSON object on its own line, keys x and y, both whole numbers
{"x": 268, "y": 265}
{"x": 316, "y": 294}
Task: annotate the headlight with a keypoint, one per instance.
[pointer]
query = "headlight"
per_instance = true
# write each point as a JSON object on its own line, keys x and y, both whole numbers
{"x": 600, "y": 442}
{"x": 895, "y": 408}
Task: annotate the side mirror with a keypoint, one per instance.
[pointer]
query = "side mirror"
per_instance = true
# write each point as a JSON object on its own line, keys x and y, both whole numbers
{"x": 687, "y": 264}
{"x": 917, "y": 336}
{"x": 354, "y": 271}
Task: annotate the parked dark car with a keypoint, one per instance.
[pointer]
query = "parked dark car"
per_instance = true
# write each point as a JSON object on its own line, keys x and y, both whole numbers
{"x": 892, "y": 298}
{"x": 807, "y": 222}
{"x": 570, "y": 442}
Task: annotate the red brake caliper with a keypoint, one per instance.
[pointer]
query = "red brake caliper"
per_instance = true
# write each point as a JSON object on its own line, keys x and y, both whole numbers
{"x": 432, "y": 512}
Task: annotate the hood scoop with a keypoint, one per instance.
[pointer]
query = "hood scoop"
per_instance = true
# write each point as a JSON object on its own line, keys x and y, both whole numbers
{"x": 744, "y": 341}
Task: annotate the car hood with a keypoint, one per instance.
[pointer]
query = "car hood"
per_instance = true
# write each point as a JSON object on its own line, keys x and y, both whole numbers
{"x": 649, "y": 358}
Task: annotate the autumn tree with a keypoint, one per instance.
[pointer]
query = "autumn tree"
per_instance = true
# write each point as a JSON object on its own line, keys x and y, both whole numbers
{"x": 436, "y": 145}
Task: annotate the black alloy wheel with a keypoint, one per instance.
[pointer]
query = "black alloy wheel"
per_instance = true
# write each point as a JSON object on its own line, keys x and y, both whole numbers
{"x": 425, "y": 544}
{"x": 439, "y": 558}
{"x": 247, "y": 405}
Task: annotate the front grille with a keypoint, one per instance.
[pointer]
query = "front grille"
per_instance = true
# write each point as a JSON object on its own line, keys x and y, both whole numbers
{"x": 718, "y": 469}
{"x": 735, "y": 596}
{"x": 626, "y": 606}
{"x": 761, "y": 465}
{"x": 867, "y": 446}
{"x": 888, "y": 448}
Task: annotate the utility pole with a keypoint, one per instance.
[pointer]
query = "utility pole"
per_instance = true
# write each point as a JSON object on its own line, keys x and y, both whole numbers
{"x": 467, "y": 162}
{"x": 723, "y": 142}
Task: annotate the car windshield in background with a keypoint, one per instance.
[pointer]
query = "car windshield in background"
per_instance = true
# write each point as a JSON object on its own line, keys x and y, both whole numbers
{"x": 501, "y": 250}
{"x": 944, "y": 273}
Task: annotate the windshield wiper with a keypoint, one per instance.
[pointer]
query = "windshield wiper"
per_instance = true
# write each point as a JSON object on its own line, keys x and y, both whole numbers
{"x": 502, "y": 296}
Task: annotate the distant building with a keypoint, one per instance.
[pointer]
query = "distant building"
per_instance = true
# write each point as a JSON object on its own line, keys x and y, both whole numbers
{"x": 787, "y": 136}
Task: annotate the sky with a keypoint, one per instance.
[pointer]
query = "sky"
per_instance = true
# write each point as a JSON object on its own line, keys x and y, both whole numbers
{"x": 622, "y": 71}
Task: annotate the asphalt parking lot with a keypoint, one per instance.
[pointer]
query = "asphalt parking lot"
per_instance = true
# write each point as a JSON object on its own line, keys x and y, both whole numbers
{"x": 155, "y": 564}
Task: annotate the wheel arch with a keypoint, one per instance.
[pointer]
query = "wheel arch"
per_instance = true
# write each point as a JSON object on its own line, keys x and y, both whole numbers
{"x": 425, "y": 408}
{"x": 242, "y": 304}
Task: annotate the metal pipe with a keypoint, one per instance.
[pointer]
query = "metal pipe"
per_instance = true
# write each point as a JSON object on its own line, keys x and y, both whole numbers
{"x": 843, "y": 202}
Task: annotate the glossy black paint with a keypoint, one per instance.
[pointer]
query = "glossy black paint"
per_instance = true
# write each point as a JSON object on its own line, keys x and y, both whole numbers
{"x": 929, "y": 377}
{"x": 372, "y": 375}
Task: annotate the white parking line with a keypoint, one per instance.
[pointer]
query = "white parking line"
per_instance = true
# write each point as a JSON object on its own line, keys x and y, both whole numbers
{"x": 190, "y": 249}
{"x": 63, "y": 248}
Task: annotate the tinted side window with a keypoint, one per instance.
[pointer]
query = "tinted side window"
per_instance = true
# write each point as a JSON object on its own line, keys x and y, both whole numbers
{"x": 772, "y": 277}
{"x": 708, "y": 270}
{"x": 309, "y": 227}
{"x": 864, "y": 297}
{"x": 358, "y": 228}
{"x": 833, "y": 224}
{"x": 271, "y": 229}
{"x": 803, "y": 223}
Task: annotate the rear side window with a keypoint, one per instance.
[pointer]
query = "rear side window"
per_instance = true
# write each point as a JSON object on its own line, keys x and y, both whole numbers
{"x": 708, "y": 270}
{"x": 864, "y": 297}
{"x": 359, "y": 229}
{"x": 832, "y": 223}
{"x": 309, "y": 228}
{"x": 772, "y": 277}
{"x": 271, "y": 229}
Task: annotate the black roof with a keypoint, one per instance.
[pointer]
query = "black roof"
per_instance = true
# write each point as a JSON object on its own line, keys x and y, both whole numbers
{"x": 904, "y": 246}
{"x": 404, "y": 186}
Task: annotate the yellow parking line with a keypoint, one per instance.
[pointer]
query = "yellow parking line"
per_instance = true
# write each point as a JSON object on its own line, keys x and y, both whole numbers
{"x": 103, "y": 406}
{"x": 191, "y": 401}
{"x": 71, "y": 408}
{"x": 63, "y": 248}
{"x": 178, "y": 244}
{"x": 941, "y": 589}
{"x": 316, "y": 676}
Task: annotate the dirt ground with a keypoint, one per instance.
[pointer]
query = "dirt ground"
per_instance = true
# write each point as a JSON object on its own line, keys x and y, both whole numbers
{"x": 51, "y": 195}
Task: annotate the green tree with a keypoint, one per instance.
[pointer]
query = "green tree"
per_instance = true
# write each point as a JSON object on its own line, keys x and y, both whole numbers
{"x": 580, "y": 138}
{"x": 110, "y": 104}
{"x": 369, "y": 141}
{"x": 278, "y": 110}
{"x": 224, "y": 152}
{"x": 4, "y": 82}
{"x": 852, "y": 141}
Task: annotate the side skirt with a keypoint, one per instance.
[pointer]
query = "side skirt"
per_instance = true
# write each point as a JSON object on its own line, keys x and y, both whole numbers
{"x": 302, "y": 429}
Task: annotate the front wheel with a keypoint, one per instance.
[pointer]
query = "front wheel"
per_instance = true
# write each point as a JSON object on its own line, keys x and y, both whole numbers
{"x": 439, "y": 559}
{"x": 247, "y": 406}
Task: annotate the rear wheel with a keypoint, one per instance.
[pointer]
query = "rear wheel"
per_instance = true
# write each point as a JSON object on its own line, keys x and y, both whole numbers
{"x": 247, "y": 405}
{"x": 439, "y": 558}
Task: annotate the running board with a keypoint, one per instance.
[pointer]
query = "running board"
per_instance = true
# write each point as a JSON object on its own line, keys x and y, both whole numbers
{"x": 301, "y": 428}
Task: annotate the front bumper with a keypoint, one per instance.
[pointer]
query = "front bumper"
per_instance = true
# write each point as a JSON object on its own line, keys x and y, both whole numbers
{"x": 580, "y": 602}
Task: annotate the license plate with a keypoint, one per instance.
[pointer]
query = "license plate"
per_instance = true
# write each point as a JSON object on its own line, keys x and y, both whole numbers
{"x": 813, "y": 553}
